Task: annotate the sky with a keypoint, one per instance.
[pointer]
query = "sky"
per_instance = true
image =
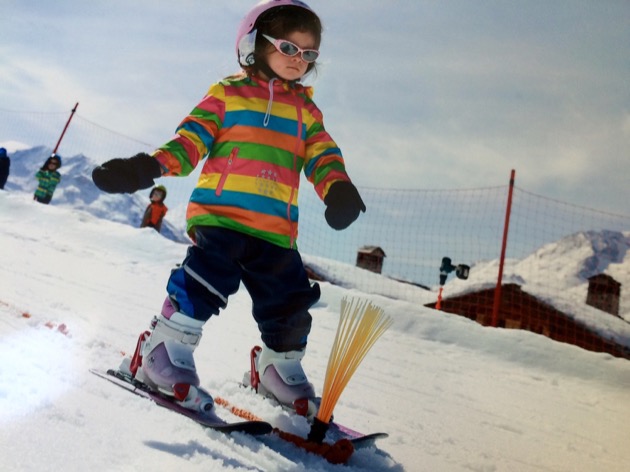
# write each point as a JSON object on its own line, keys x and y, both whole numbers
{"x": 419, "y": 94}
{"x": 452, "y": 395}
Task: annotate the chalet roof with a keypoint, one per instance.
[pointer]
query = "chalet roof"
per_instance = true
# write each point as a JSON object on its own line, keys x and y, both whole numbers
{"x": 610, "y": 326}
{"x": 604, "y": 278}
{"x": 373, "y": 250}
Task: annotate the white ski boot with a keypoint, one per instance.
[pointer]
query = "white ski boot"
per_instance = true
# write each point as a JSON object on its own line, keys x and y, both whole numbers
{"x": 163, "y": 360}
{"x": 279, "y": 375}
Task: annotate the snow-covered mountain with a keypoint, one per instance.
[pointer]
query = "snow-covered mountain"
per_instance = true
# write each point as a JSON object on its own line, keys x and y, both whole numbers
{"x": 76, "y": 189}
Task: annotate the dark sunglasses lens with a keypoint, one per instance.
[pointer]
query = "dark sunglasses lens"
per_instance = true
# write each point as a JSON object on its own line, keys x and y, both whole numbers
{"x": 288, "y": 48}
{"x": 310, "y": 56}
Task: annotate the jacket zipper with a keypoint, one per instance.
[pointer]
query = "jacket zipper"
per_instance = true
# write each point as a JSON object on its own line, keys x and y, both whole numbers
{"x": 226, "y": 171}
{"x": 298, "y": 138}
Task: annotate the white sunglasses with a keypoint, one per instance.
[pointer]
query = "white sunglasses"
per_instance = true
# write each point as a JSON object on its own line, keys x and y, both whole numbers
{"x": 287, "y": 48}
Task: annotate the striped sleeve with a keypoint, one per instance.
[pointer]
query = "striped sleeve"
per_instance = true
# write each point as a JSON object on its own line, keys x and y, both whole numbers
{"x": 194, "y": 136}
{"x": 324, "y": 162}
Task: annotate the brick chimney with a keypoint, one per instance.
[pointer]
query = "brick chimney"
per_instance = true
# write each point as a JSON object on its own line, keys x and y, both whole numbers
{"x": 603, "y": 293}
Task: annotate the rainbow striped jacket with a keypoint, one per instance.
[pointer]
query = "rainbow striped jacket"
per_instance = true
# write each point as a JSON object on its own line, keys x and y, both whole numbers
{"x": 257, "y": 136}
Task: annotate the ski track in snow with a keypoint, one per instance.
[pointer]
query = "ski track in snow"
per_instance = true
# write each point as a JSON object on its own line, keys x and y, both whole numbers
{"x": 76, "y": 291}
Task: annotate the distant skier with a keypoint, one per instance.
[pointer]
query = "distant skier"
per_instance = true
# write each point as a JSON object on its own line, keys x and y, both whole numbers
{"x": 155, "y": 212}
{"x": 48, "y": 178}
{"x": 258, "y": 130}
{"x": 5, "y": 164}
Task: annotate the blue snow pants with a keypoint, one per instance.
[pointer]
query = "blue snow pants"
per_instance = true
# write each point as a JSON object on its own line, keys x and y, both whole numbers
{"x": 274, "y": 277}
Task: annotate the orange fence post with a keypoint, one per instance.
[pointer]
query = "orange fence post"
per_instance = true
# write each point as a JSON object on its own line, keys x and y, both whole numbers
{"x": 497, "y": 291}
{"x": 65, "y": 128}
{"x": 438, "y": 304}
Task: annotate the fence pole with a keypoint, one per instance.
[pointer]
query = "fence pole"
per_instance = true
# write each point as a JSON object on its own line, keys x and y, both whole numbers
{"x": 497, "y": 291}
{"x": 65, "y": 128}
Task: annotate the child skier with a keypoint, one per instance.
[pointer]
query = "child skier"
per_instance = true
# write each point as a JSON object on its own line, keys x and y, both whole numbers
{"x": 5, "y": 166}
{"x": 259, "y": 129}
{"x": 156, "y": 210}
{"x": 48, "y": 178}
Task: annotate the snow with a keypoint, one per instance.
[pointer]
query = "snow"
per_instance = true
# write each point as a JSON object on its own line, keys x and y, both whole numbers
{"x": 76, "y": 290}
{"x": 76, "y": 189}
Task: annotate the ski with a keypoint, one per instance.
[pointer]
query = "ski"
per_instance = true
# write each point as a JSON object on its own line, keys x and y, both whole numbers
{"x": 359, "y": 440}
{"x": 341, "y": 441}
{"x": 336, "y": 431}
{"x": 207, "y": 419}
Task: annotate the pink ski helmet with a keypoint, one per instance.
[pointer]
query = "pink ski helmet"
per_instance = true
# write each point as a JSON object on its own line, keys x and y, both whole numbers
{"x": 246, "y": 33}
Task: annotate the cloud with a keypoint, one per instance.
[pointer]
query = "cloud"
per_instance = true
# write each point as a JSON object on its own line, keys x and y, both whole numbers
{"x": 36, "y": 82}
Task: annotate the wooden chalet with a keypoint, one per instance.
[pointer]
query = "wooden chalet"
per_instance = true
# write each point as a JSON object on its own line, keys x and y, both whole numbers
{"x": 520, "y": 310}
{"x": 371, "y": 258}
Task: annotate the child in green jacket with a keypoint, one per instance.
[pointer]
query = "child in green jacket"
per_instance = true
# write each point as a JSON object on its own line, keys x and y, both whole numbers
{"x": 48, "y": 178}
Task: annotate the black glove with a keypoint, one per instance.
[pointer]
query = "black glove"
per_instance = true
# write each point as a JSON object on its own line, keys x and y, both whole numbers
{"x": 343, "y": 204}
{"x": 127, "y": 175}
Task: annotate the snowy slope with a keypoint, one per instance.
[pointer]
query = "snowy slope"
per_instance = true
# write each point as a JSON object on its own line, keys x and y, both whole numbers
{"x": 75, "y": 291}
{"x": 76, "y": 189}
